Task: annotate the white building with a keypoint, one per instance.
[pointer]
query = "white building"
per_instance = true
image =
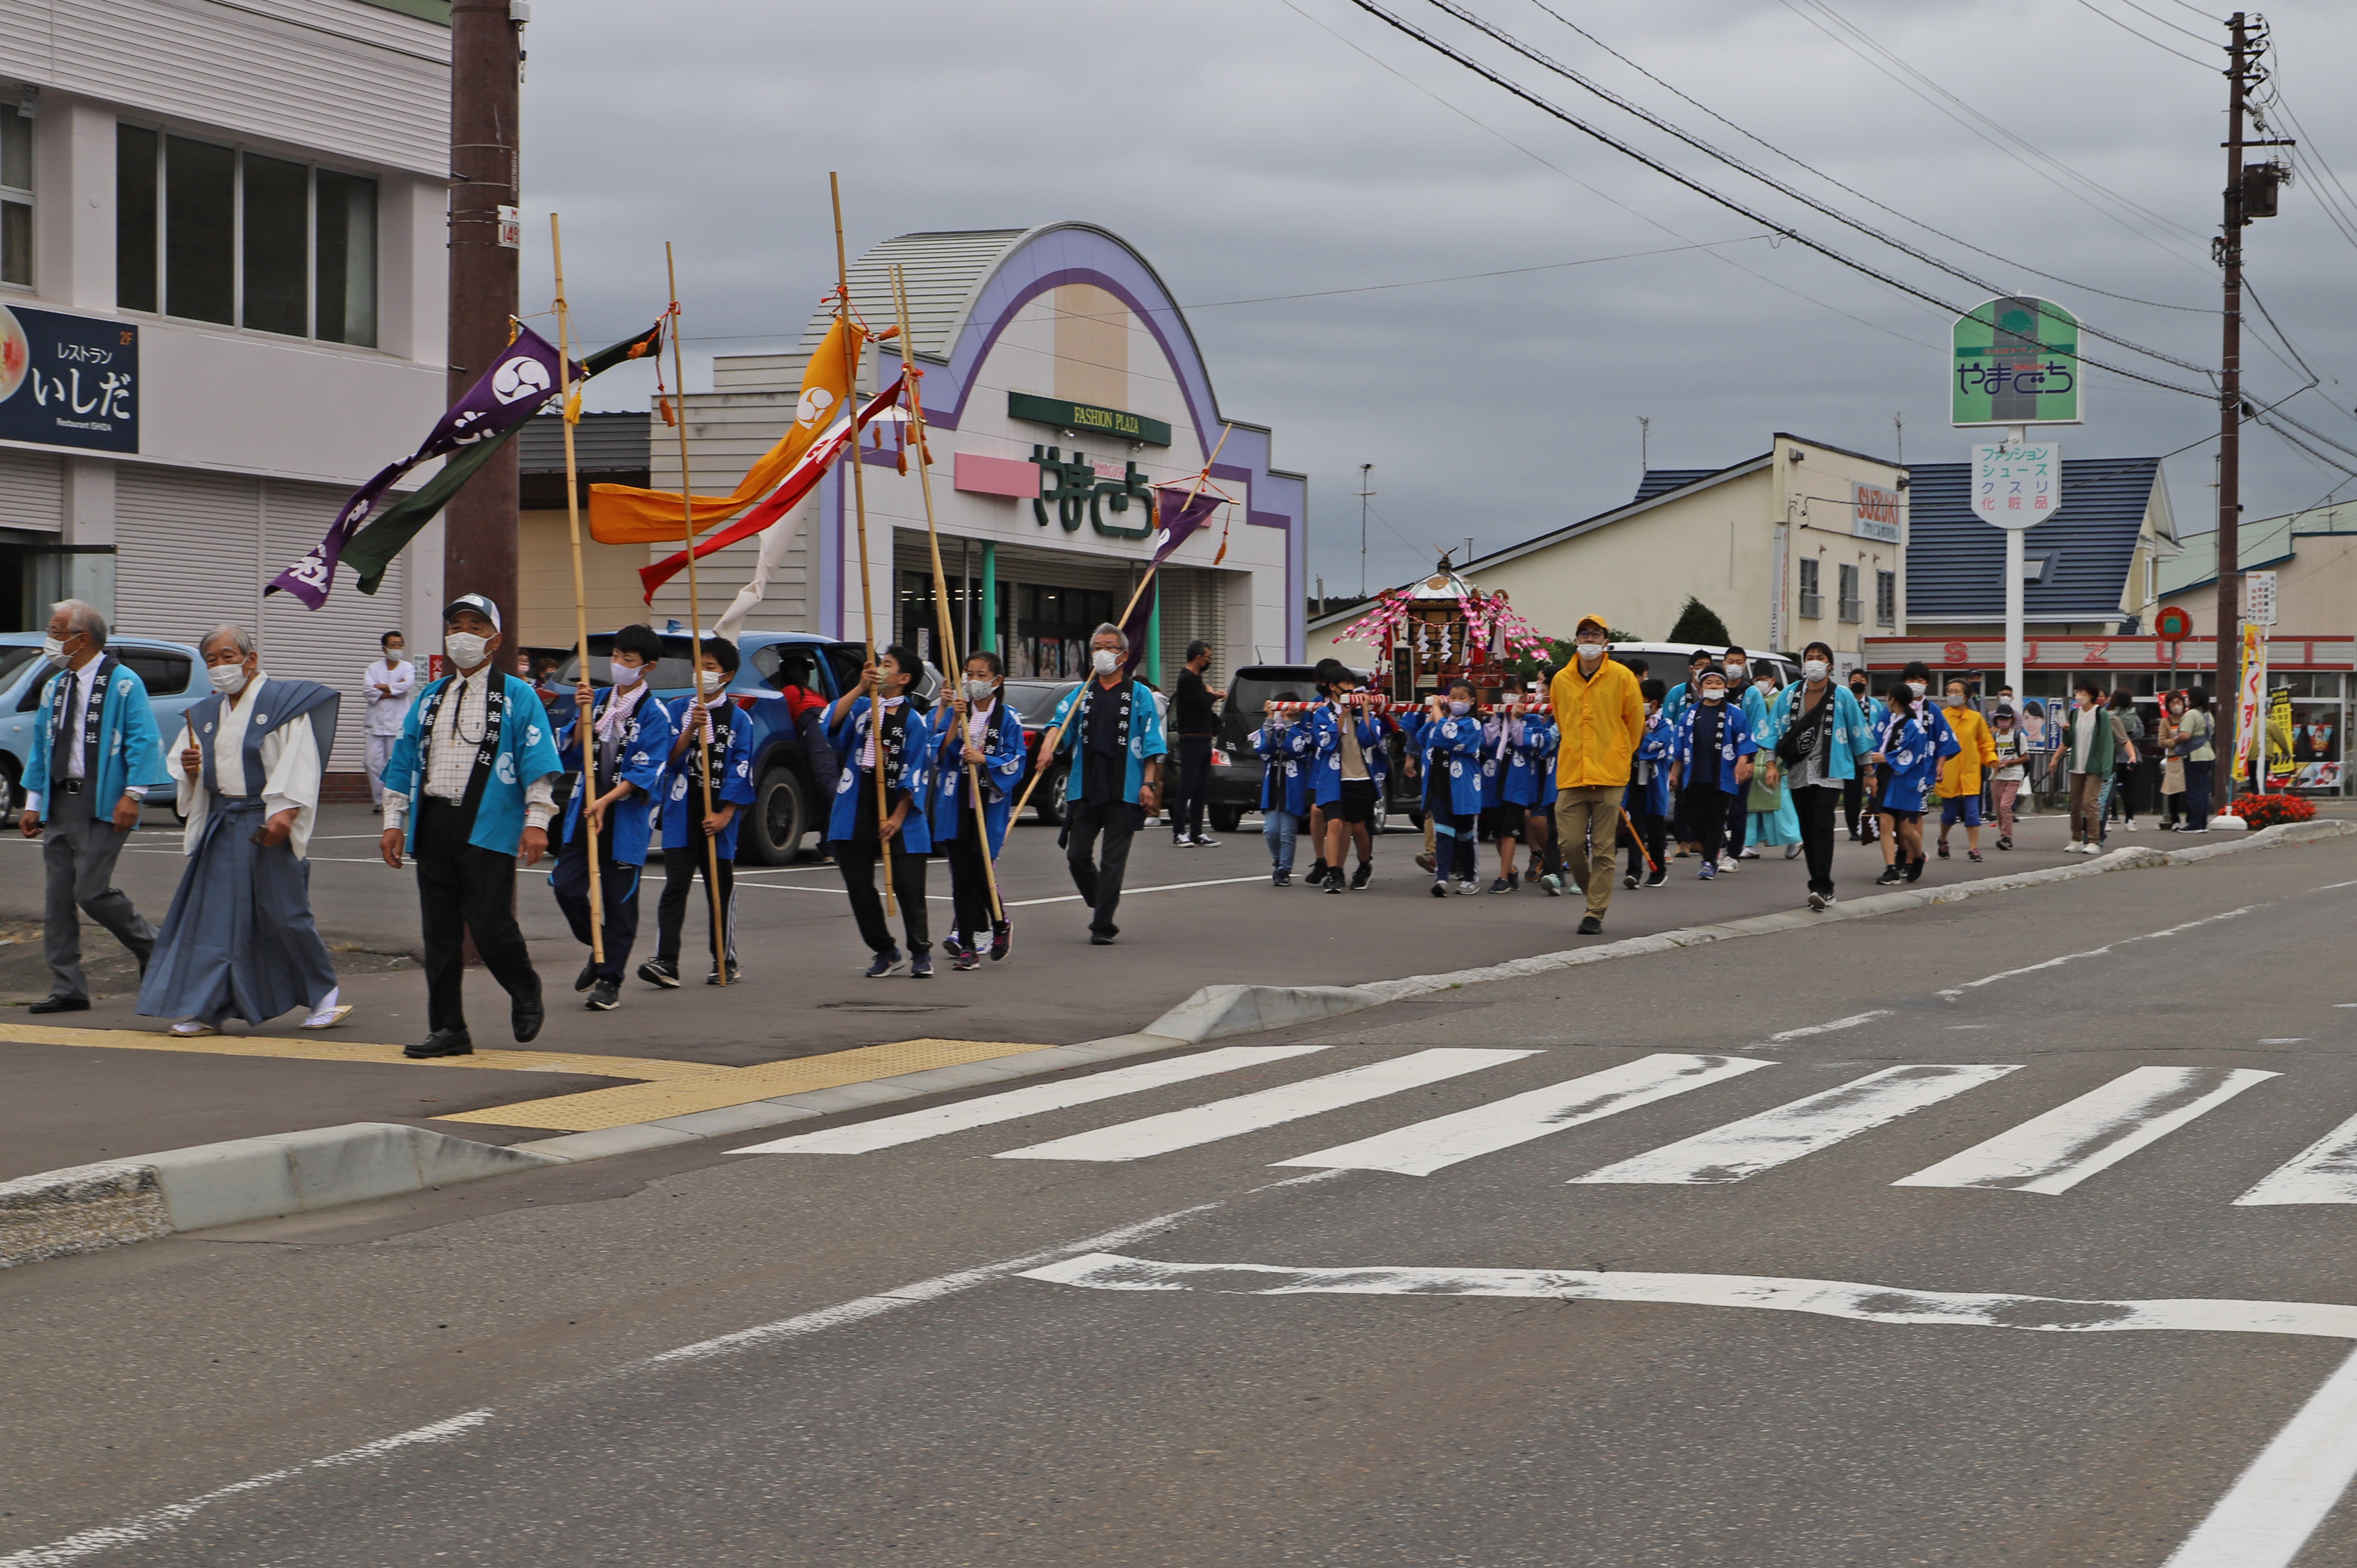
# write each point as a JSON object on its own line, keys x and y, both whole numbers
{"x": 222, "y": 276}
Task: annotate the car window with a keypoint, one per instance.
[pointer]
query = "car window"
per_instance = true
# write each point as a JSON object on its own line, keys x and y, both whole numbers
{"x": 847, "y": 659}
{"x": 12, "y": 664}
{"x": 1037, "y": 699}
{"x": 165, "y": 673}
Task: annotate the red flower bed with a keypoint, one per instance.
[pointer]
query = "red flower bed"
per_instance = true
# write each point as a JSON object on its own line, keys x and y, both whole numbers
{"x": 2269, "y": 810}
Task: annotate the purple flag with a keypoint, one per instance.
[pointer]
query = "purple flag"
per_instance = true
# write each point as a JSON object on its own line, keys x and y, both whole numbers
{"x": 1178, "y": 518}
{"x": 523, "y": 382}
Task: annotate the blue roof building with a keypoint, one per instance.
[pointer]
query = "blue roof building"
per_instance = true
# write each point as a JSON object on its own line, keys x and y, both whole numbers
{"x": 2091, "y": 568}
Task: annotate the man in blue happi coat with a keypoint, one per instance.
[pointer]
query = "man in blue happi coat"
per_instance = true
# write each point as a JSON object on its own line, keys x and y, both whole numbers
{"x": 902, "y": 747}
{"x": 708, "y": 729}
{"x": 979, "y": 750}
{"x": 1111, "y": 722}
{"x": 94, "y": 759}
{"x": 629, "y": 733}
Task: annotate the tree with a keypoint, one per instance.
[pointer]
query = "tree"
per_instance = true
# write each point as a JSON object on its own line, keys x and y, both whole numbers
{"x": 1699, "y": 624}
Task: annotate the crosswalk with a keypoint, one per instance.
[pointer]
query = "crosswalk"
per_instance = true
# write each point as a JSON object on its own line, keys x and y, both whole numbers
{"x": 2051, "y": 1153}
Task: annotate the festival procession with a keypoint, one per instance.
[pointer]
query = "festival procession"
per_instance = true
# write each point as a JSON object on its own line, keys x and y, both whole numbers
{"x": 1397, "y": 782}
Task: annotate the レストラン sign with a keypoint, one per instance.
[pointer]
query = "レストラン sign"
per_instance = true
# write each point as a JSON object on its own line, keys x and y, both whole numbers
{"x": 68, "y": 380}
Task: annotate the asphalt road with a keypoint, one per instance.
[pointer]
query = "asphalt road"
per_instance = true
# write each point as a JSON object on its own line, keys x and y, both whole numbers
{"x": 1191, "y": 917}
{"x": 1913, "y": 1242}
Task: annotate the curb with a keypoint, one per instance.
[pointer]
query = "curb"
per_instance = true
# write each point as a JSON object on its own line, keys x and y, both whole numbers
{"x": 86, "y": 1208}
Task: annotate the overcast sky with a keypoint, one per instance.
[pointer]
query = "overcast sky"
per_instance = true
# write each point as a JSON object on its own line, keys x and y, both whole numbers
{"x": 1260, "y": 148}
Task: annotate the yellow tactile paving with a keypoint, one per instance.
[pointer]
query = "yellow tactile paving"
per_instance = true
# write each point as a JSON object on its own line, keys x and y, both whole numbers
{"x": 711, "y": 1089}
{"x": 326, "y": 1049}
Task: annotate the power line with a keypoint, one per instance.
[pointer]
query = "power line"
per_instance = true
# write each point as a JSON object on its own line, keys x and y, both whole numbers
{"x": 1555, "y": 110}
{"x": 2114, "y": 21}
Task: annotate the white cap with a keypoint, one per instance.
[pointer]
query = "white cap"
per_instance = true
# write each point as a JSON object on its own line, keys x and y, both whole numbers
{"x": 479, "y": 604}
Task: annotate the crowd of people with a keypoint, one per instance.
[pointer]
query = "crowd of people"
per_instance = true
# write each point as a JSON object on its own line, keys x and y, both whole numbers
{"x": 1606, "y": 760}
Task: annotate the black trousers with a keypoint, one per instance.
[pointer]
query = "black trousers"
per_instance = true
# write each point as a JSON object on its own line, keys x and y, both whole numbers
{"x": 969, "y": 882}
{"x": 1815, "y": 806}
{"x": 1194, "y": 790}
{"x": 1098, "y": 873}
{"x": 855, "y": 857}
{"x": 1739, "y": 819}
{"x": 618, "y": 896}
{"x": 1853, "y": 795}
{"x": 460, "y": 884}
{"x": 679, "y": 866}
{"x": 1653, "y": 836}
{"x": 1706, "y": 807}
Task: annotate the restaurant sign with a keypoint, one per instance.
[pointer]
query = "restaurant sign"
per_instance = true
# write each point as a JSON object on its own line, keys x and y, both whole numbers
{"x": 68, "y": 380}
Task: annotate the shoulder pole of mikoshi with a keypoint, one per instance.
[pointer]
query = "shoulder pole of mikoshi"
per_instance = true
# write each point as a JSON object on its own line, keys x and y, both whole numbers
{"x": 570, "y": 401}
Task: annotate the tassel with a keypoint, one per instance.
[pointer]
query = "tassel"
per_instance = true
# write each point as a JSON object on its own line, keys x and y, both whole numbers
{"x": 664, "y": 403}
{"x": 572, "y": 407}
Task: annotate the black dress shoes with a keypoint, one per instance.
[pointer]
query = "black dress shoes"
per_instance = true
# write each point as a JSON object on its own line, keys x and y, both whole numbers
{"x": 61, "y": 1004}
{"x": 441, "y": 1043}
{"x": 524, "y": 1016}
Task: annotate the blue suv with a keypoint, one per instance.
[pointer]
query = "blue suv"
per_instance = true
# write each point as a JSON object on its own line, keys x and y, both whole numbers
{"x": 173, "y": 670}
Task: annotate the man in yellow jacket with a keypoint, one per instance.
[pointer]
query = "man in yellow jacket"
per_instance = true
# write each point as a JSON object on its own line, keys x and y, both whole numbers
{"x": 1600, "y": 715}
{"x": 1960, "y": 775}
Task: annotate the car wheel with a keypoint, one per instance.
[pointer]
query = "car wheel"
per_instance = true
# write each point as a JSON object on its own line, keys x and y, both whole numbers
{"x": 774, "y": 835}
{"x": 9, "y": 797}
{"x": 1227, "y": 819}
{"x": 1049, "y": 799}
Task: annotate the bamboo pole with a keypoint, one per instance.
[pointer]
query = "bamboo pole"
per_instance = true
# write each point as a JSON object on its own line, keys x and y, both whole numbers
{"x": 1055, "y": 742}
{"x": 582, "y": 729}
{"x": 859, "y": 502}
{"x": 695, "y": 705}
{"x": 955, "y": 665}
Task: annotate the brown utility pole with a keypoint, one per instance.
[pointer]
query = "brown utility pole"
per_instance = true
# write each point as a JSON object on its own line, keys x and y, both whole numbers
{"x": 478, "y": 526}
{"x": 2226, "y": 689}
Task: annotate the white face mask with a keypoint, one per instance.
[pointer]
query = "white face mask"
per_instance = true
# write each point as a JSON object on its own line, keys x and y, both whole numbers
{"x": 393, "y": 656}
{"x": 1712, "y": 694}
{"x": 1105, "y": 661}
{"x": 1918, "y": 687}
{"x": 709, "y": 682}
{"x": 1461, "y": 709}
{"x": 1589, "y": 652}
{"x": 54, "y": 649}
{"x": 465, "y": 649}
{"x": 1814, "y": 670}
{"x": 1735, "y": 671}
{"x": 226, "y": 679}
{"x": 980, "y": 691}
{"x": 624, "y": 674}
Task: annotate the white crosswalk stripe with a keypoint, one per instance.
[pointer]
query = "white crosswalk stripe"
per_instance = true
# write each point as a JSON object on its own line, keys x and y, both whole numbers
{"x": 2057, "y": 1151}
{"x": 2324, "y": 1171}
{"x": 1428, "y": 1146}
{"x": 1250, "y": 1112}
{"x": 1033, "y": 1099}
{"x": 1785, "y": 1133}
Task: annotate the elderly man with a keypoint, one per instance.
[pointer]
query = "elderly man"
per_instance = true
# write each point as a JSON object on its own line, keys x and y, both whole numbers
{"x": 94, "y": 759}
{"x": 1116, "y": 780}
{"x": 477, "y": 759}
{"x": 239, "y": 940}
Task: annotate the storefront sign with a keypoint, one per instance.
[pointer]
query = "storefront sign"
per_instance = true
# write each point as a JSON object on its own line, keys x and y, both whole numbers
{"x": 2252, "y": 699}
{"x": 1077, "y": 492}
{"x": 1087, "y": 418}
{"x": 2259, "y": 597}
{"x": 2014, "y": 362}
{"x": 1873, "y": 514}
{"x": 68, "y": 380}
{"x": 2017, "y": 484}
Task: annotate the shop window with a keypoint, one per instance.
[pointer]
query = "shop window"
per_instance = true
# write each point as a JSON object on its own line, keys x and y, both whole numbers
{"x": 1852, "y": 609}
{"x": 1886, "y": 598}
{"x": 1812, "y": 602}
{"x": 15, "y": 198}
{"x": 211, "y": 233}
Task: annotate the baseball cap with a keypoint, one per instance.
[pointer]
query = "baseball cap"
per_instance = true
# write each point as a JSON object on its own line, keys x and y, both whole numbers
{"x": 477, "y": 603}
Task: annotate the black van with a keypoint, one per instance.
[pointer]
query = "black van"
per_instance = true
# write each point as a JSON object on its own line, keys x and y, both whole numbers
{"x": 1236, "y": 769}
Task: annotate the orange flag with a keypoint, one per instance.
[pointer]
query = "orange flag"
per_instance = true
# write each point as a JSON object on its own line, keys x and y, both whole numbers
{"x": 625, "y": 514}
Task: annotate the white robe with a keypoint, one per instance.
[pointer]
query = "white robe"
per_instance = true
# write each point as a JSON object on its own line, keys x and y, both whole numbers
{"x": 290, "y": 762}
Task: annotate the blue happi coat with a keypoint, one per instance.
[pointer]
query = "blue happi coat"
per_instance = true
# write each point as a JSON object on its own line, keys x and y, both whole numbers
{"x": 1144, "y": 737}
{"x": 527, "y": 752}
{"x": 1649, "y": 780}
{"x": 1521, "y": 776}
{"x": 1284, "y": 782}
{"x": 1734, "y": 741}
{"x": 642, "y": 758}
{"x": 129, "y": 751}
{"x": 849, "y": 738}
{"x": 732, "y": 782}
{"x": 1325, "y": 751}
{"x": 999, "y": 772}
{"x": 1912, "y": 750}
{"x": 1452, "y": 746}
{"x": 1853, "y": 728}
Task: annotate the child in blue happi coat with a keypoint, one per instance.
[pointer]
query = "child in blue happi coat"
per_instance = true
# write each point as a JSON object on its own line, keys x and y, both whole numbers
{"x": 1710, "y": 764}
{"x": 1349, "y": 738}
{"x": 898, "y": 831}
{"x": 981, "y": 749}
{"x": 708, "y": 728}
{"x": 1448, "y": 738}
{"x": 1283, "y": 743}
{"x": 1514, "y": 746}
{"x": 1647, "y": 798}
{"x": 1908, "y": 748}
{"x": 629, "y": 739}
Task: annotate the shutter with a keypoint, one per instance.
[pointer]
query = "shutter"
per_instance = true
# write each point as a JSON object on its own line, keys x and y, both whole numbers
{"x": 188, "y": 551}
{"x": 334, "y": 643}
{"x": 1194, "y": 604}
{"x": 32, "y": 491}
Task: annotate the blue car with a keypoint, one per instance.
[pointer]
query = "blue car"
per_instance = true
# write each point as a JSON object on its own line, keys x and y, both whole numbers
{"x": 173, "y": 672}
{"x": 793, "y": 780}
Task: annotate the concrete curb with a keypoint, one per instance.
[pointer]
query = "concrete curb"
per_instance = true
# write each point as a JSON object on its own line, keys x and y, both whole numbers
{"x": 90, "y": 1206}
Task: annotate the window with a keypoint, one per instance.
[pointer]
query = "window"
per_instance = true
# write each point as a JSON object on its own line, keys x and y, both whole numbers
{"x": 1886, "y": 598}
{"x": 1813, "y": 600}
{"x": 1852, "y": 609}
{"x": 211, "y": 233}
{"x": 15, "y": 198}
{"x": 166, "y": 675}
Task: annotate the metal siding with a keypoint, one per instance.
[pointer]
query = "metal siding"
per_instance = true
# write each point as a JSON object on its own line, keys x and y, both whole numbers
{"x": 1955, "y": 563}
{"x": 602, "y": 443}
{"x": 32, "y": 491}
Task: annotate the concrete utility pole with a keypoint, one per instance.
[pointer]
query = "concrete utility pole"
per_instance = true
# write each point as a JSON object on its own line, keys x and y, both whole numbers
{"x": 478, "y": 526}
{"x": 1365, "y": 470}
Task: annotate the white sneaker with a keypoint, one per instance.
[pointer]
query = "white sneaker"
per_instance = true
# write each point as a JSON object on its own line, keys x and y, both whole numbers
{"x": 1466, "y": 889}
{"x": 1749, "y": 854}
{"x": 1728, "y": 863}
{"x": 2130, "y": 826}
{"x": 1817, "y": 901}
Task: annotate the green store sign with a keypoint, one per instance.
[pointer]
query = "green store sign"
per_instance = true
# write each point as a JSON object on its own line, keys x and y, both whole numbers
{"x": 1078, "y": 493}
{"x": 1087, "y": 418}
{"x": 2014, "y": 362}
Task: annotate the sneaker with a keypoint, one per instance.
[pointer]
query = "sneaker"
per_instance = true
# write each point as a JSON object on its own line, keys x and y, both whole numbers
{"x": 1709, "y": 873}
{"x": 604, "y": 997}
{"x": 1531, "y": 872}
{"x": 886, "y": 963}
{"x": 1728, "y": 862}
{"x": 1514, "y": 882}
{"x": 1630, "y": 881}
{"x": 1205, "y": 841}
{"x": 1500, "y": 885}
{"x": 587, "y": 977}
{"x": 1002, "y": 938}
{"x": 1423, "y": 863}
{"x": 1334, "y": 880}
{"x": 660, "y": 971}
{"x": 1280, "y": 878}
{"x": 1657, "y": 877}
{"x": 1891, "y": 876}
{"x": 920, "y": 966}
{"x": 966, "y": 959}
{"x": 1551, "y": 885}
{"x": 1590, "y": 925}
{"x": 956, "y": 945}
{"x": 1973, "y": 856}
{"x": 1792, "y": 852}
{"x": 1817, "y": 901}
{"x": 2005, "y": 843}
{"x": 1943, "y": 849}
{"x": 1749, "y": 854}
{"x": 1317, "y": 871}
{"x": 735, "y": 976}
{"x": 1915, "y": 871}
{"x": 1364, "y": 875}
{"x": 1180, "y": 841}
{"x": 1467, "y": 888}
{"x": 2130, "y": 824}
{"x": 1439, "y": 888}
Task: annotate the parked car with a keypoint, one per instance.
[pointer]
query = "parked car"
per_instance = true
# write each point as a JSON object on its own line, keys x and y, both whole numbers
{"x": 1035, "y": 707}
{"x": 170, "y": 669}
{"x": 1236, "y": 768}
{"x": 1666, "y": 661}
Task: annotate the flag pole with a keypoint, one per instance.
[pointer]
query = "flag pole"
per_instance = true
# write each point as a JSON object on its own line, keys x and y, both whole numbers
{"x": 695, "y": 705}
{"x": 859, "y": 504}
{"x": 581, "y": 717}
{"x": 955, "y": 667}
{"x": 1055, "y": 741}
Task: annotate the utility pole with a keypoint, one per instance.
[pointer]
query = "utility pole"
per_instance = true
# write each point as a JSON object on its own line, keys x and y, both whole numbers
{"x": 1364, "y": 469}
{"x": 1644, "y": 447}
{"x": 478, "y": 526}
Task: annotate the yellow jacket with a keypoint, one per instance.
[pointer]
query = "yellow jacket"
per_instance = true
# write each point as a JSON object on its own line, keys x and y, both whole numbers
{"x": 1602, "y": 718}
{"x": 1976, "y": 751}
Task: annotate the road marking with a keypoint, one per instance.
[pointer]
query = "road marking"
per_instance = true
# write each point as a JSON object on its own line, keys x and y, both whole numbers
{"x": 1252, "y": 1113}
{"x": 2266, "y": 1517}
{"x": 320, "y": 1047}
{"x": 1852, "y": 1021}
{"x": 2290, "y": 1040}
{"x": 1026, "y": 903}
{"x": 1428, "y": 1146}
{"x": 2324, "y": 1171}
{"x": 1954, "y": 992}
{"x": 1778, "y": 1136}
{"x": 2331, "y": 886}
{"x": 891, "y": 1132}
{"x": 145, "y": 1527}
{"x": 2057, "y": 1151}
